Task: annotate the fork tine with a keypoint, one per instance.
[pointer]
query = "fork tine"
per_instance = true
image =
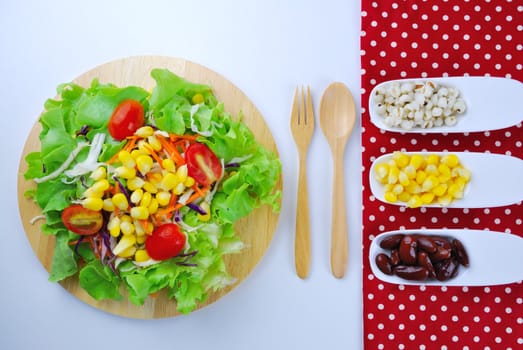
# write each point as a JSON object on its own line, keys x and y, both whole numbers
{"x": 303, "y": 113}
{"x": 309, "y": 115}
{"x": 295, "y": 114}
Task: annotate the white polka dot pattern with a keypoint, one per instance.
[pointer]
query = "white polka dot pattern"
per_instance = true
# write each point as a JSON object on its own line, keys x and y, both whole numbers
{"x": 409, "y": 39}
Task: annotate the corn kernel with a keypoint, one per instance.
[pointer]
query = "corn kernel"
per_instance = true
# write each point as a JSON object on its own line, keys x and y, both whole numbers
{"x": 140, "y": 239}
{"x": 91, "y": 193}
{"x": 163, "y": 198}
{"x": 139, "y": 213}
{"x": 381, "y": 170}
{"x": 168, "y": 164}
{"x": 135, "y": 153}
{"x": 397, "y": 189}
{"x": 125, "y": 172}
{"x": 99, "y": 173}
{"x": 440, "y": 189}
{"x": 197, "y": 99}
{"x": 144, "y": 131}
{"x": 153, "y": 206}
{"x": 126, "y": 218}
{"x": 417, "y": 161}
{"x": 124, "y": 243}
{"x": 136, "y": 196}
{"x": 410, "y": 171}
{"x": 421, "y": 175}
{"x": 413, "y": 188}
{"x": 144, "y": 163}
{"x": 150, "y": 187}
{"x": 169, "y": 181}
{"x": 146, "y": 199}
{"x": 120, "y": 201}
{"x": 126, "y": 159}
{"x": 127, "y": 253}
{"x": 100, "y": 186}
{"x": 138, "y": 229}
{"x": 127, "y": 228}
{"x": 135, "y": 183}
{"x": 393, "y": 175}
{"x": 93, "y": 203}
{"x": 451, "y": 160}
{"x": 391, "y": 197}
{"x": 433, "y": 159}
{"x": 403, "y": 178}
{"x": 108, "y": 205}
{"x": 141, "y": 255}
{"x": 444, "y": 200}
{"x": 181, "y": 172}
{"x": 114, "y": 226}
{"x": 427, "y": 198}
{"x": 189, "y": 182}
{"x": 455, "y": 190}
{"x": 415, "y": 201}
{"x": 430, "y": 182}
{"x": 154, "y": 143}
{"x": 144, "y": 147}
{"x": 431, "y": 169}
{"x": 401, "y": 159}
{"x": 179, "y": 189}
{"x": 404, "y": 196}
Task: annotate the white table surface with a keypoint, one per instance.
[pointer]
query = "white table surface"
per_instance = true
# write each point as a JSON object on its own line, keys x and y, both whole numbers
{"x": 266, "y": 48}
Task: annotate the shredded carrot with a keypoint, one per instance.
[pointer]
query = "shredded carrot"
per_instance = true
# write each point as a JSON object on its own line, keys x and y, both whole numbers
{"x": 154, "y": 154}
{"x": 197, "y": 194}
{"x": 171, "y": 149}
{"x": 131, "y": 142}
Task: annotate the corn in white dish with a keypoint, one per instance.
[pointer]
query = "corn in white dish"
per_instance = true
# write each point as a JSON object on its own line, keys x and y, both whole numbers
{"x": 416, "y": 104}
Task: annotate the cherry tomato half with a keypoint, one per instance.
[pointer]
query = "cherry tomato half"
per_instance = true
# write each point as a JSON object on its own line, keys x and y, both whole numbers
{"x": 202, "y": 164}
{"x": 126, "y": 119}
{"x": 81, "y": 220}
{"x": 165, "y": 242}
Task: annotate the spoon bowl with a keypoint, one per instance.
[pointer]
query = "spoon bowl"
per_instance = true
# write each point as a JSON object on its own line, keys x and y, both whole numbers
{"x": 494, "y": 257}
{"x": 337, "y": 119}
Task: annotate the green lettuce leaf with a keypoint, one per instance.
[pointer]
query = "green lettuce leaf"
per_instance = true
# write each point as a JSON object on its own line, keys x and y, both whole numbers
{"x": 99, "y": 281}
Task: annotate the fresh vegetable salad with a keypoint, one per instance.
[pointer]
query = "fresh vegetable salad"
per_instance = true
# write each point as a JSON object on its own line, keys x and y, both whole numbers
{"x": 142, "y": 189}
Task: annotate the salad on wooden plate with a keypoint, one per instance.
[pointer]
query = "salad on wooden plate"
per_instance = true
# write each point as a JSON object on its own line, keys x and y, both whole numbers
{"x": 141, "y": 190}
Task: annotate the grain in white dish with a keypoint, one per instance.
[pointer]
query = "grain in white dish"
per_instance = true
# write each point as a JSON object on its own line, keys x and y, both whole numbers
{"x": 418, "y": 104}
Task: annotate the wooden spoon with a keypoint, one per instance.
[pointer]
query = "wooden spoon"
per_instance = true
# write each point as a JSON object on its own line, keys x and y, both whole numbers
{"x": 337, "y": 117}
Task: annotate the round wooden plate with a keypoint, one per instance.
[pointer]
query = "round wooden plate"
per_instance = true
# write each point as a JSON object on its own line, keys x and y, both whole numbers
{"x": 256, "y": 230}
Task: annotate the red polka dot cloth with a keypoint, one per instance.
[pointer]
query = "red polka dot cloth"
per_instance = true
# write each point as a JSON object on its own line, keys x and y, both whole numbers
{"x": 438, "y": 38}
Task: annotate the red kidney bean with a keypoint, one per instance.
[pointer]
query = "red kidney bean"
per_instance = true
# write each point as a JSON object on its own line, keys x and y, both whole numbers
{"x": 395, "y": 257}
{"x": 441, "y": 242}
{"x": 447, "y": 269}
{"x": 424, "y": 260}
{"x": 427, "y": 244}
{"x": 383, "y": 263}
{"x": 461, "y": 253}
{"x": 418, "y": 257}
{"x": 392, "y": 241}
{"x": 441, "y": 254}
{"x": 413, "y": 273}
{"x": 408, "y": 250}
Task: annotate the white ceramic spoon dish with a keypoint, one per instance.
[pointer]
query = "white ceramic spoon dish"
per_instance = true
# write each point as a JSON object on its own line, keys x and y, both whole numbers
{"x": 491, "y": 103}
{"x": 494, "y": 258}
{"x": 496, "y": 180}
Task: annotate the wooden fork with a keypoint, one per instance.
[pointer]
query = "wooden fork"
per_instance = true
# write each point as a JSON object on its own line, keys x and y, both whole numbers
{"x": 302, "y": 127}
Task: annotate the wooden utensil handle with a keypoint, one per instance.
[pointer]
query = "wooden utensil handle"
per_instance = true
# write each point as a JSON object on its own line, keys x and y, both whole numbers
{"x": 339, "y": 240}
{"x": 302, "y": 245}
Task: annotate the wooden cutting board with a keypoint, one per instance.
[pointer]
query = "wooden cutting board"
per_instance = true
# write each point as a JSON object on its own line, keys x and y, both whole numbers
{"x": 256, "y": 231}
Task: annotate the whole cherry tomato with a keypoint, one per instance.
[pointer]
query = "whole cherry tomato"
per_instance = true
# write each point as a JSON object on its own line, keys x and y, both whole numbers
{"x": 127, "y": 117}
{"x": 81, "y": 220}
{"x": 165, "y": 242}
{"x": 202, "y": 164}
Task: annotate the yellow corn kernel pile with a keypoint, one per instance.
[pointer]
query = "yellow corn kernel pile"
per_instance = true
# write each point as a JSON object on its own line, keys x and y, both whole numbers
{"x": 419, "y": 180}
{"x": 152, "y": 186}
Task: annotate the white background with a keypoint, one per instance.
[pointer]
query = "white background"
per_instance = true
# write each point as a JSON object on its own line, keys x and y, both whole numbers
{"x": 266, "y": 48}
